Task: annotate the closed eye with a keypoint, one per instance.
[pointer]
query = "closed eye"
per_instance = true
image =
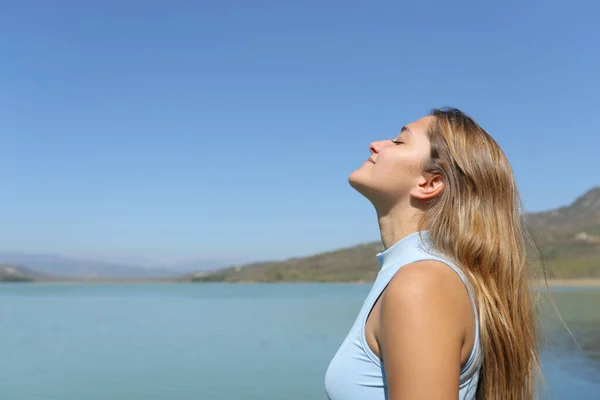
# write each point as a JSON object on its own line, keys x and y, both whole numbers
{"x": 396, "y": 141}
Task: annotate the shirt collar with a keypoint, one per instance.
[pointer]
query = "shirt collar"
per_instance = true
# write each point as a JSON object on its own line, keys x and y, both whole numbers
{"x": 395, "y": 252}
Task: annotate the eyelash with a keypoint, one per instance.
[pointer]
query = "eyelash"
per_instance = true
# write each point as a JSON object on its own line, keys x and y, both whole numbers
{"x": 395, "y": 141}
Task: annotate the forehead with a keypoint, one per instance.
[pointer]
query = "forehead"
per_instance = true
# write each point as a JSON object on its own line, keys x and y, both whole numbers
{"x": 419, "y": 127}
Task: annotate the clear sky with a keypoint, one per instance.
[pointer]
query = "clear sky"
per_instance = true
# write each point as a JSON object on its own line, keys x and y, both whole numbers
{"x": 165, "y": 130}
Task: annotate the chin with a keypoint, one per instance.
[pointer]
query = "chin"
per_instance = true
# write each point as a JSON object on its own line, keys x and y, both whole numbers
{"x": 355, "y": 179}
{"x": 358, "y": 181}
{"x": 375, "y": 194}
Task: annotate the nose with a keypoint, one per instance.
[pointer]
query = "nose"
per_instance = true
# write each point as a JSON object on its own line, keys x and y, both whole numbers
{"x": 375, "y": 147}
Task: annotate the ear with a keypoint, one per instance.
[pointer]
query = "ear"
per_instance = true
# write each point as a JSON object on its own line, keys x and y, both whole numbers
{"x": 428, "y": 187}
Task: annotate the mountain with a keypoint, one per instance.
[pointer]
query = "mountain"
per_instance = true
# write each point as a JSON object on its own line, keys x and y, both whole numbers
{"x": 200, "y": 266}
{"x": 67, "y": 267}
{"x": 568, "y": 237}
{"x": 348, "y": 264}
{"x": 17, "y": 273}
{"x": 583, "y": 214}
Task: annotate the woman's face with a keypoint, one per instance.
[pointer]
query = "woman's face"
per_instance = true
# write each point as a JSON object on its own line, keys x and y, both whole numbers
{"x": 395, "y": 165}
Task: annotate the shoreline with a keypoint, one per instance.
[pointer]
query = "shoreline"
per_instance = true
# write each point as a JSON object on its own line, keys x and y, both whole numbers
{"x": 580, "y": 282}
{"x": 577, "y": 282}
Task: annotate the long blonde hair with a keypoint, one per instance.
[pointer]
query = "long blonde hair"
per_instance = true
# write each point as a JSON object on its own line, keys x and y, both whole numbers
{"x": 478, "y": 222}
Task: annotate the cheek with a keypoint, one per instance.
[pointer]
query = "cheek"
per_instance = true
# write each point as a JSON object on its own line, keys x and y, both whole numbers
{"x": 399, "y": 167}
{"x": 392, "y": 163}
{"x": 413, "y": 168}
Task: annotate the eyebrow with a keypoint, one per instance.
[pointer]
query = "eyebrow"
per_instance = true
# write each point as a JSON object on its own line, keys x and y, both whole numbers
{"x": 405, "y": 129}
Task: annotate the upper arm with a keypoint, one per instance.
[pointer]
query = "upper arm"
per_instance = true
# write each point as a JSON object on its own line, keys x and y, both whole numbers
{"x": 421, "y": 332}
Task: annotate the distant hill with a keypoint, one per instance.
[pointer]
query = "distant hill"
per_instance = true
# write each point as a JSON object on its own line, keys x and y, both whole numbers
{"x": 570, "y": 236}
{"x": 569, "y": 239}
{"x": 67, "y": 267}
{"x": 199, "y": 266}
{"x": 17, "y": 273}
{"x": 348, "y": 264}
{"x": 581, "y": 215}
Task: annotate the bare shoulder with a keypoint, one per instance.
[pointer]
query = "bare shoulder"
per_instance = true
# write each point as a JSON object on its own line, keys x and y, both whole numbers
{"x": 428, "y": 279}
{"x": 427, "y": 292}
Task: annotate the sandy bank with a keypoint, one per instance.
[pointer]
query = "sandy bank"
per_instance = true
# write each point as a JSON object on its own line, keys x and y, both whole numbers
{"x": 588, "y": 282}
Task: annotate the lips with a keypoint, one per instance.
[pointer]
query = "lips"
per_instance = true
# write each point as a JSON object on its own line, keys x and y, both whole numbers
{"x": 371, "y": 160}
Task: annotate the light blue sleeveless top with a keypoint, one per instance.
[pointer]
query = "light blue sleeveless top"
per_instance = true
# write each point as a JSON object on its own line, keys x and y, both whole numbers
{"x": 355, "y": 372}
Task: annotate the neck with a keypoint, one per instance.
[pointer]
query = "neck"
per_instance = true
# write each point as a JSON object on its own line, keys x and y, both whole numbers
{"x": 397, "y": 223}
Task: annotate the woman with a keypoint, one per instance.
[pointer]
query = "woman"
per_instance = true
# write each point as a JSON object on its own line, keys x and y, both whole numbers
{"x": 450, "y": 314}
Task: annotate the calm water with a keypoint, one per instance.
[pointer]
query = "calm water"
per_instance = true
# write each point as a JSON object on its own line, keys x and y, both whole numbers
{"x": 221, "y": 342}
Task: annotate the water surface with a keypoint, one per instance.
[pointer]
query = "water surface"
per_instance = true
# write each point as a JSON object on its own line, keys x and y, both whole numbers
{"x": 220, "y": 341}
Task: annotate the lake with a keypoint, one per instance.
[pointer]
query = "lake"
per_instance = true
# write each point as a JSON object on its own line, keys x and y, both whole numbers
{"x": 221, "y": 341}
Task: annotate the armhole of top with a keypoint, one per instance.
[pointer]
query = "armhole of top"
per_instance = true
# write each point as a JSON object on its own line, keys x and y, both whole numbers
{"x": 467, "y": 368}
{"x": 363, "y": 327}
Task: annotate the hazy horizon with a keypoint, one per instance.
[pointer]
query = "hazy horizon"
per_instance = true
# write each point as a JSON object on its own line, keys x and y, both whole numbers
{"x": 181, "y": 263}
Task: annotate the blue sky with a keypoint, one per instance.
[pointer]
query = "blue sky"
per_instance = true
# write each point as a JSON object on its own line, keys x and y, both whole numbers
{"x": 173, "y": 130}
